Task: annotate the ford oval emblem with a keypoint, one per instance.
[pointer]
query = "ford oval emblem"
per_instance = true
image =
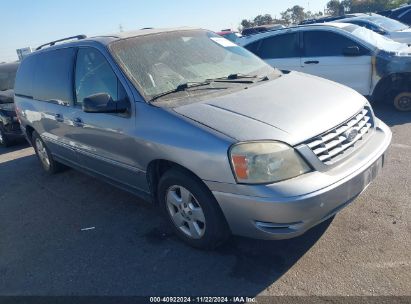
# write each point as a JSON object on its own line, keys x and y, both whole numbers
{"x": 351, "y": 134}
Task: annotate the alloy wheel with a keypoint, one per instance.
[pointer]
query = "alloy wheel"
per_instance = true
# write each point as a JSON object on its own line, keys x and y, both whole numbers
{"x": 42, "y": 153}
{"x": 186, "y": 212}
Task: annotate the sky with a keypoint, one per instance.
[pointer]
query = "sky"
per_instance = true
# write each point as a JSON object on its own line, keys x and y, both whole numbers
{"x": 31, "y": 23}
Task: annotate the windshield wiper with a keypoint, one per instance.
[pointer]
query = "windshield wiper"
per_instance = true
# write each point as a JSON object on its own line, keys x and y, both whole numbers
{"x": 181, "y": 87}
{"x": 239, "y": 78}
{"x": 236, "y": 78}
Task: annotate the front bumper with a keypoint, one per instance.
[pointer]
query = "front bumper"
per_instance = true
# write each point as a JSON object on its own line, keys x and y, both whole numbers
{"x": 290, "y": 208}
{"x": 13, "y": 130}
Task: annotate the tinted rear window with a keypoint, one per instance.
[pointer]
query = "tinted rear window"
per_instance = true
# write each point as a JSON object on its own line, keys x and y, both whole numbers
{"x": 279, "y": 46}
{"x": 53, "y": 76}
{"x": 24, "y": 77}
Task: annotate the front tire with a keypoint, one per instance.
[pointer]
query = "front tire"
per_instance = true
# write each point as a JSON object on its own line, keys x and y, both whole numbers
{"x": 402, "y": 101}
{"x": 192, "y": 210}
{"x": 43, "y": 153}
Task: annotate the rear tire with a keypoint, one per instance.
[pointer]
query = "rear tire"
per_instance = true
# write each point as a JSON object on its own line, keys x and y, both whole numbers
{"x": 192, "y": 210}
{"x": 402, "y": 101}
{"x": 43, "y": 153}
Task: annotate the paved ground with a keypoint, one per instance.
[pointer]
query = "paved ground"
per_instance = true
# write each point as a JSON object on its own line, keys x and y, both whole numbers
{"x": 43, "y": 251}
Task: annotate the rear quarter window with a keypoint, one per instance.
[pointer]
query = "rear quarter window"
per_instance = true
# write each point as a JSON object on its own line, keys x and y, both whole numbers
{"x": 24, "y": 78}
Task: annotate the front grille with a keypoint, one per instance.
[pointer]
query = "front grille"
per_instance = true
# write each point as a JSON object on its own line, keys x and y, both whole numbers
{"x": 336, "y": 143}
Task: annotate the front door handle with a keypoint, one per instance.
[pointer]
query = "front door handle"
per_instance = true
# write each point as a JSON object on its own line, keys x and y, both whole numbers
{"x": 78, "y": 122}
{"x": 58, "y": 117}
{"x": 312, "y": 62}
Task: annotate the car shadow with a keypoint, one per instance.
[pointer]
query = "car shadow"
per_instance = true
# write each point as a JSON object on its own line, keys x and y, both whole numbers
{"x": 388, "y": 114}
{"x": 264, "y": 262}
{"x": 21, "y": 144}
{"x": 128, "y": 250}
{"x": 256, "y": 264}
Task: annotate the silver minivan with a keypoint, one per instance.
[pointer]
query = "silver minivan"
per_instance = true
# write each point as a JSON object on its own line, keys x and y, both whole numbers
{"x": 222, "y": 142}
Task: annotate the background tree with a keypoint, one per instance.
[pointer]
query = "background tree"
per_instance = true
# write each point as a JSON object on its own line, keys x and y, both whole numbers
{"x": 335, "y": 8}
{"x": 310, "y": 15}
{"x": 263, "y": 19}
{"x": 296, "y": 14}
{"x": 246, "y": 23}
{"x": 396, "y": 3}
{"x": 293, "y": 15}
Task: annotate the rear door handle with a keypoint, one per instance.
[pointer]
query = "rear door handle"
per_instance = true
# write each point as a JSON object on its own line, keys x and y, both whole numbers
{"x": 312, "y": 62}
{"x": 78, "y": 122}
{"x": 59, "y": 117}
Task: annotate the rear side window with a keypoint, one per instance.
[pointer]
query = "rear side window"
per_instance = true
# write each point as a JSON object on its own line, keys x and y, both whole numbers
{"x": 94, "y": 75}
{"x": 279, "y": 46}
{"x": 24, "y": 79}
{"x": 53, "y": 77}
{"x": 253, "y": 47}
{"x": 406, "y": 18}
{"x": 327, "y": 44}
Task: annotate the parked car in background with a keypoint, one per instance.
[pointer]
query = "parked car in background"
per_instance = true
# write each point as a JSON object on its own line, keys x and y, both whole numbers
{"x": 261, "y": 29}
{"x": 402, "y": 14}
{"x": 329, "y": 19}
{"x": 230, "y": 35}
{"x": 387, "y": 27}
{"x": 371, "y": 64}
{"x": 220, "y": 140}
{"x": 9, "y": 125}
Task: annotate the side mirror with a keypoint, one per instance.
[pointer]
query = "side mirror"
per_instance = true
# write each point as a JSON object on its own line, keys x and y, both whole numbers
{"x": 103, "y": 103}
{"x": 352, "y": 51}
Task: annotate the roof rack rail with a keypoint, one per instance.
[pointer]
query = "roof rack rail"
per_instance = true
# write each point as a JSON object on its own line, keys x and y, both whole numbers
{"x": 78, "y": 37}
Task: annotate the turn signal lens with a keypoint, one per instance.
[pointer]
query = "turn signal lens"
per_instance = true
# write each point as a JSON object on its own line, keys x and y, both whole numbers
{"x": 240, "y": 166}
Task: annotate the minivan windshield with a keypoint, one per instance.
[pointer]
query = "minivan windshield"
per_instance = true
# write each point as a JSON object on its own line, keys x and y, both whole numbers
{"x": 162, "y": 62}
{"x": 377, "y": 40}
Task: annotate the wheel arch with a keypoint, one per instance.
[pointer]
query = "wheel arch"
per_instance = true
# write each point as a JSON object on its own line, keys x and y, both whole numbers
{"x": 390, "y": 84}
{"x": 29, "y": 132}
{"x": 155, "y": 170}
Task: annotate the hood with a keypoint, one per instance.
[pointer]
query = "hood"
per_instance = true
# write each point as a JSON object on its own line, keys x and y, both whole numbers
{"x": 292, "y": 109}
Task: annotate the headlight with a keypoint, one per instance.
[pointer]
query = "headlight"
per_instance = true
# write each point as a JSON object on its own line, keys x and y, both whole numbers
{"x": 266, "y": 162}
